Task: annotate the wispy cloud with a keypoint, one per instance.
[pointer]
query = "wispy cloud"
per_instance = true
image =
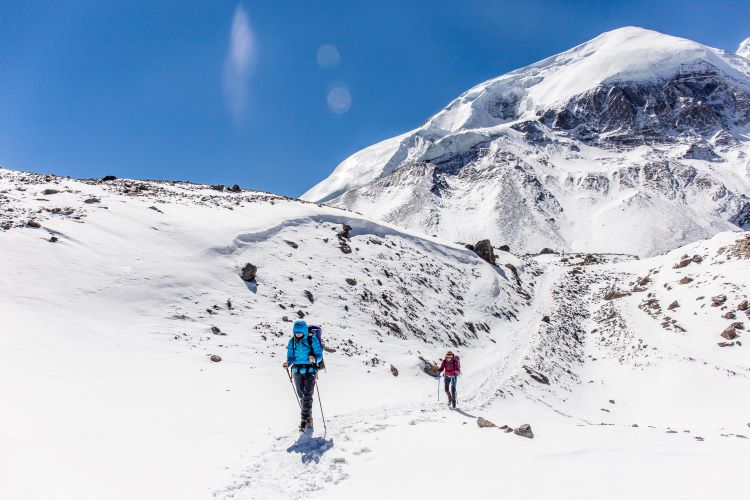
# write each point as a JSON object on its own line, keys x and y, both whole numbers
{"x": 239, "y": 64}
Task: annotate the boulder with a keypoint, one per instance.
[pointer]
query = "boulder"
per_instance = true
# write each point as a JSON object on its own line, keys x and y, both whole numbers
{"x": 215, "y": 358}
{"x": 34, "y": 224}
{"x": 546, "y": 251}
{"x": 504, "y": 248}
{"x": 729, "y": 333}
{"x": 430, "y": 368}
{"x": 539, "y": 377}
{"x": 218, "y": 187}
{"x": 48, "y": 192}
{"x": 291, "y": 244}
{"x": 345, "y": 248}
{"x": 524, "y": 431}
{"x": 674, "y": 305}
{"x": 718, "y": 300}
{"x": 485, "y": 251}
{"x": 309, "y": 296}
{"x": 248, "y": 272}
{"x": 108, "y": 178}
{"x": 738, "y": 325}
{"x": 53, "y": 239}
{"x": 743, "y": 306}
{"x": 300, "y": 313}
{"x": 545, "y": 318}
{"x": 215, "y": 330}
{"x": 729, "y": 315}
{"x": 91, "y": 201}
{"x": 682, "y": 263}
{"x": 394, "y": 371}
{"x": 685, "y": 280}
{"x": 235, "y": 189}
{"x": 726, "y": 344}
{"x": 483, "y": 423}
{"x": 351, "y": 281}
{"x": 697, "y": 259}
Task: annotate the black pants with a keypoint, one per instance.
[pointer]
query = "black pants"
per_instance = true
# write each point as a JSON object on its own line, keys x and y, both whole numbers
{"x": 450, "y": 386}
{"x": 305, "y": 383}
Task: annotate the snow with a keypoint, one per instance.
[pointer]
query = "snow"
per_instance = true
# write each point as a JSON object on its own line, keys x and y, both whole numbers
{"x": 744, "y": 48}
{"x": 106, "y": 337}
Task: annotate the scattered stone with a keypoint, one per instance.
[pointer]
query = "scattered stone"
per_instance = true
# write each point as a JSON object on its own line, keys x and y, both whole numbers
{"x": 729, "y": 333}
{"x": 351, "y": 281}
{"x": 291, "y": 244}
{"x": 394, "y": 371}
{"x": 674, "y": 305}
{"x": 729, "y": 315}
{"x": 671, "y": 431}
{"x": 286, "y": 319}
{"x": 485, "y": 251}
{"x": 546, "y": 251}
{"x": 634, "y": 425}
{"x": 229, "y": 304}
{"x": 504, "y": 248}
{"x": 524, "y": 431}
{"x": 615, "y": 294}
{"x": 235, "y": 189}
{"x": 248, "y": 272}
{"x": 429, "y": 367}
{"x": 698, "y": 438}
{"x": 309, "y": 296}
{"x": 92, "y": 200}
{"x": 539, "y": 377}
{"x": 685, "y": 280}
{"x": 545, "y": 318}
{"x": 345, "y": 248}
{"x": 743, "y": 306}
{"x": 218, "y": 187}
{"x": 217, "y": 331}
{"x": 53, "y": 239}
{"x": 34, "y": 224}
{"x": 718, "y": 300}
{"x": 301, "y": 313}
{"x": 483, "y": 423}
{"x": 726, "y": 344}
{"x": 215, "y": 358}
{"x": 738, "y": 325}
{"x": 49, "y": 192}
{"x": 697, "y": 259}
{"x": 345, "y": 229}
{"x": 611, "y": 401}
{"x": 108, "y": 178}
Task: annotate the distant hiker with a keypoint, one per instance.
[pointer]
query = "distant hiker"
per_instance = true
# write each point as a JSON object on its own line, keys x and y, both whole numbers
{"x": 452, "y": 366}
{"x": 304, "y": 354}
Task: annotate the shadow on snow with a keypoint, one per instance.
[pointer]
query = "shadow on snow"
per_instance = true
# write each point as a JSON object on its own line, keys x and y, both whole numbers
{"x": 311, "y": 448}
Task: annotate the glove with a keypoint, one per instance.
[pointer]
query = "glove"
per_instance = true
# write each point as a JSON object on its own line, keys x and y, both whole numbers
{"x": 285, "y": 365}
{"x": 312, "y": 359}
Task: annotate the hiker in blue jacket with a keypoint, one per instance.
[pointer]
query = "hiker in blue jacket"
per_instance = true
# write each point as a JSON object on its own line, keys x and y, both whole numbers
{"x": 304, "y": 354}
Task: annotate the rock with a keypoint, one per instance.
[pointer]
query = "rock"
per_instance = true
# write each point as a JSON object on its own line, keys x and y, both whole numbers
{"x": 430, "y": 368}
{"x": 108, "y": 178}
{"x": 738, "y": 325}
{"x": 215, "y": 330}
{"x": 718, "y": 300}
{"x": 685, "y": 280}
{"x": 524, "y": 431}
{"x": 545, "y": 318}
{"x": 286, "y": 319}
{"x": 546, "y": 251}
{"x": 91, "y": 201}
{"x": 235, "y": 189}
{"x": 48, "y": 192}
{"x": 674, "y": 305}
{"x": 508, "y": 429}
{"x": 615, "y": 294}
{"x": 248, "y": 272}
{"x": 53, "y": 239}
{"x": 539, "y": 377}
{"x": 351, "y": 281}
{"x": 34, "y": 224}
{"x": 485, "y": 251}
{"x": 729, "y": 333}
{"x": 611, "y": 401}
{"x": 743, "y": 306}
{"x": 634, "y": 425}
{"x": 729, "y": 315}
{"x": 218, "y": 187}
{"x": 469, "y": 246}
{"x": 483, "y": 423}
{"x": 300, "y": 313}
{"x": 309, "y": 296}
{"x": 682, "y": 263}
{"x": 504, "y": 248}
{"x": 328, "y": 349}
{"x": 726, "y": 344}
{"x": 345, "y": 248}
{"x": 697, "y": 259}
{"x": 291, "y": 244}
{"x": 394, "y": 371}
{"x": 215, "y": 358}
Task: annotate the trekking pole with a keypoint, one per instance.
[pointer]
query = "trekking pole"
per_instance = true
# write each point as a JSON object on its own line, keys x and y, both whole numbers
{"x": 438, "y": 379}
{"x": 296, "y": 396}
{"x": 317, "y": 388}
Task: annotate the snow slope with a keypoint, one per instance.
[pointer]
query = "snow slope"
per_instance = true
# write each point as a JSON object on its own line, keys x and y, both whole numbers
{"x": 107, "y": 334}
{"x": 585, "y": 148}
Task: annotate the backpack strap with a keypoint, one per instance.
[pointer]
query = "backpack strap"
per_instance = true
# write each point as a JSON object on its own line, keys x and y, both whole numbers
{"x": 310, "y": 336}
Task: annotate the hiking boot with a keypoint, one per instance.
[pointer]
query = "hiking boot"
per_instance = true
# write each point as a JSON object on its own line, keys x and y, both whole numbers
{"x": 453, "y": 402}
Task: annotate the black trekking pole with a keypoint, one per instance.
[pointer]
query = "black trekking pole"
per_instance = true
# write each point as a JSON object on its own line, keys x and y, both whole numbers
{"x": 317, "y": 388}
{"x": 296, "y": 396}
{"x": 438, "y": 379}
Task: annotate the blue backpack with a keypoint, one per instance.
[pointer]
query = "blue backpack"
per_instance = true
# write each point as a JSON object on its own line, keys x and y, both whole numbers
{"x": 318, "y": 333}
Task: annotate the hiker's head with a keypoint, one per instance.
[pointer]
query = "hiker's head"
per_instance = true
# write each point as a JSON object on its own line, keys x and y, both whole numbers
{"x": 449, "y": 354}
{"x": 300, "y": 328}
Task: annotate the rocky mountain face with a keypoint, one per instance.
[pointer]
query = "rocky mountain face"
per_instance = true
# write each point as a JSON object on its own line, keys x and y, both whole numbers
{"x": 633, "y": 142}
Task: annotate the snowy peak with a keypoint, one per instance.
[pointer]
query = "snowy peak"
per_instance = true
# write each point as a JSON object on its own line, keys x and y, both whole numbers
{"x": 744, "y": 48}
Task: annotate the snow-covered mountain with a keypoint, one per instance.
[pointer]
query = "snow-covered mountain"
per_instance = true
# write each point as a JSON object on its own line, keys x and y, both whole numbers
{"x": 115, "y": 294}
{"x": 634, "y": 142}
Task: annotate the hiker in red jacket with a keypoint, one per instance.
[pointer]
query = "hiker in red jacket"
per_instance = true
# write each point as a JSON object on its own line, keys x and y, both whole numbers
{"x": 452, "y": 366}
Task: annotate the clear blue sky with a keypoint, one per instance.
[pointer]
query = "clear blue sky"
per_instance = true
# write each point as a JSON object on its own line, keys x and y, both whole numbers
{"x": 153, "y": 89}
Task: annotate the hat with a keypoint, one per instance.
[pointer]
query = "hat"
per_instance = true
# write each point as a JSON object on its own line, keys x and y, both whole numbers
{"x": 449, "y": 353}
{"x": 300, "y": 327}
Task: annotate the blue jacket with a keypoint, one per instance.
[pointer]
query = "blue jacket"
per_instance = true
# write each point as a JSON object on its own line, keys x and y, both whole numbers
{"x": 298, "y": 352}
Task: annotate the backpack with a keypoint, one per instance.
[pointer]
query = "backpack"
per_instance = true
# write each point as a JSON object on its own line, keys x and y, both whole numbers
{"x": 318, "y": 333}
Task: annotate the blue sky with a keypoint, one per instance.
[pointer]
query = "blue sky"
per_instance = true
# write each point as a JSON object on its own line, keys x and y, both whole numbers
{"x": 228, "y": 92}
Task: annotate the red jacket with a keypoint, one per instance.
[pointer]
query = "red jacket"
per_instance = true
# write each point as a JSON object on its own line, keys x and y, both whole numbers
{"x": 452, "y": 367}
